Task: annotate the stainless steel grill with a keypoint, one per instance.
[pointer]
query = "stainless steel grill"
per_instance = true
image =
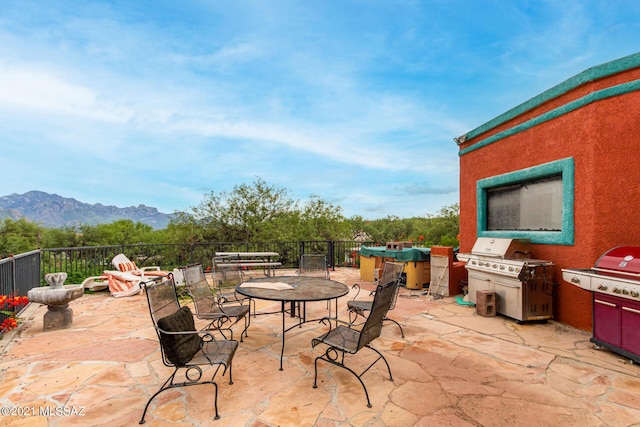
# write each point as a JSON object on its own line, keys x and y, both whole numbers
{"x": 523, "y": 285}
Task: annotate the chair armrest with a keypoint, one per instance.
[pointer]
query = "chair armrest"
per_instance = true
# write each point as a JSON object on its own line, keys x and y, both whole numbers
{"x": 357, "y": 288}
{"x": 205, "y": 335}
{"x": 151, "y": 268}
{"x": 95, "y": 282}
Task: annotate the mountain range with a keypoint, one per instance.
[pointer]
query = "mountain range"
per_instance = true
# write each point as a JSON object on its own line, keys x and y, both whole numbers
{"x": 54, "y": 211}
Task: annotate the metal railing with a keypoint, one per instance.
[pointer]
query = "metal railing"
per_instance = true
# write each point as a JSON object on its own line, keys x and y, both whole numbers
{"x": 82, "y": 262}
{"x": 18, "y": 274}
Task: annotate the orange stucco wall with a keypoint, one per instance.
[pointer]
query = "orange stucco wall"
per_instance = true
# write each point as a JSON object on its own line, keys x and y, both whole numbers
{"x": 603, "y": 138}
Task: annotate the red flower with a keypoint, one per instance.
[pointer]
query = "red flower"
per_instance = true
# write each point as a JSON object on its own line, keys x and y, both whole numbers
{"x": 7, "y": 305}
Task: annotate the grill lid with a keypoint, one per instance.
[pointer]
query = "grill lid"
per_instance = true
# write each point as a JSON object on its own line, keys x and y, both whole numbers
{"x": 624, "y": 260}
{"x": 495, "y": 247}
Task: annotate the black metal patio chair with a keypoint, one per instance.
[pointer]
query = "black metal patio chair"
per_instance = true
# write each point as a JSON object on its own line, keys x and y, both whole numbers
{"x": 226, "y": 279}
{"x": 392, "y": 271}
{"x": 181, "y": 345}
{"x": 211, "y": 306}
{"x": 314, "y": 265}
{"x": 345, "y": 339}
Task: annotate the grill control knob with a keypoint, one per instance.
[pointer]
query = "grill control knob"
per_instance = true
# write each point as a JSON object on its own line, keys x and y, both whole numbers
{"x": 502, "y": 267}
{"x": 494, "y": 266}
{"x": 517, "y": 269}
{"x": 602, "y": 287}
{"x": 510, "y": 268}
{"x": 625, "y": 292}
{"x": 617, "y": 290}
{"x": 635, "y": 294}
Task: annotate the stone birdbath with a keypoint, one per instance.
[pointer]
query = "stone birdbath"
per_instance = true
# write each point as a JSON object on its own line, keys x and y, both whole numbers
{"x": 56, "y": 297}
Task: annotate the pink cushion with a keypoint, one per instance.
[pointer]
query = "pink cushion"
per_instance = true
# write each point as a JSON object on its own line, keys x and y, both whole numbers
{"x": 127, "y": 266}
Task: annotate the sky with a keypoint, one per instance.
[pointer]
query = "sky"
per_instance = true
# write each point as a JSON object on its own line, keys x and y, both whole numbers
{"x": 356, "y": 102}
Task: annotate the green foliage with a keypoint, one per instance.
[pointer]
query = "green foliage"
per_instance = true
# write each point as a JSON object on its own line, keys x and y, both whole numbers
{"x": 320, "y": 220}
{"x": 250, "y": 213}
{"x": 441, "y": 229}
{"x": 19, "y": 236}
{"x": 260, "y": 212}
{"x": 119, "y": 232}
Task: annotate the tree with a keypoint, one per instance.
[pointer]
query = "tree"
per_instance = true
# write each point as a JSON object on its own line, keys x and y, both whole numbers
{"x": 443, "y": 229}
{"x": 120, "y": 232}
{"x": 320, "y": 220}
{"x": 19, "y": 236}
{"x": 440, "y": 229}
{"x": 248, "y": 213}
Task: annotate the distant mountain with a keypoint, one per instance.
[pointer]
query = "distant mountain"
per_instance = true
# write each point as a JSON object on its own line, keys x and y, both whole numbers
{"x": 53, "y": 211}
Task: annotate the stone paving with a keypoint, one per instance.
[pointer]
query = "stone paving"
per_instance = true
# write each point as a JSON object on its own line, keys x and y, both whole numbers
{"x": 453, "y": 368}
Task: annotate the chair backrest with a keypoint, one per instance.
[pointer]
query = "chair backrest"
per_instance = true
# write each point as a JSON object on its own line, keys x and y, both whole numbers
{"x": 162, "y": 298}
{"x": 204, "y": 300}
{"x": 193, "y": 274}
{"x": 228, "y": 278}
{"x": 392, "y": 271}
{"x": 314, "y": 265}
{"x": 168, "y": 317}
{"x": 381, "y": 305}
{"x": 122, "y": 263}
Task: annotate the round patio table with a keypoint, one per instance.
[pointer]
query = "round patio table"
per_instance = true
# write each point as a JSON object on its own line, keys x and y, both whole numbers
{"x": 300, "y": 289}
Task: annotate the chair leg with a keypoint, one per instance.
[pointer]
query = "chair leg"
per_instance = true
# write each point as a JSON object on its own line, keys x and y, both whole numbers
{"x": 341, "y": 365}
{"x": 231, "y": 373}
{"x": 162, "y": 388}
{"x": 215, "y": 401}
{"x": 247, "y": 323}
{"x": 391, "y": 320}
{"x": 383, "y": 359}
{"x": 168, "y": 384}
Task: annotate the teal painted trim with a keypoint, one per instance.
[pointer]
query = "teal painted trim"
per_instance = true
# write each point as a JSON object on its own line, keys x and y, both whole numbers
{"x": 555, "y": 113}
{"x": 565, "y": 167}
{"x": 591, "y": 74}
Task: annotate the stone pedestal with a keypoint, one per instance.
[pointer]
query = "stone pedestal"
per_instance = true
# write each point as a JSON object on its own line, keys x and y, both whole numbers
{"x": 56, "y": 297}
{"x": 57, "y": 317}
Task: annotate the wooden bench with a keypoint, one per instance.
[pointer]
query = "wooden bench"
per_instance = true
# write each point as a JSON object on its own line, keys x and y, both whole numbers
{"x": 247, "y": 260}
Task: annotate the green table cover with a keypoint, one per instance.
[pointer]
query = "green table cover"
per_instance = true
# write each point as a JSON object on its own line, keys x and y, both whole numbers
{"x": 406, "y": 254}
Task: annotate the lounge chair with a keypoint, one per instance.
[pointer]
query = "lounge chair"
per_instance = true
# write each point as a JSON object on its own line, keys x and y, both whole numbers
{"x": 95, "y": 283}
{"x": 124, "y": 284}
{"x": 124, "y": 264}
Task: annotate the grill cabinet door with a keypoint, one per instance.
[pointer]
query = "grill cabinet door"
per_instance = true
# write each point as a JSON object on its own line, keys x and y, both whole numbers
{"x": 607, "y": 320}
{"x": 631, "y": 327}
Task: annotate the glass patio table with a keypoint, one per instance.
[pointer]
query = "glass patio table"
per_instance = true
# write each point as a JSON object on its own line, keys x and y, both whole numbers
{"x": 293, "y": 290}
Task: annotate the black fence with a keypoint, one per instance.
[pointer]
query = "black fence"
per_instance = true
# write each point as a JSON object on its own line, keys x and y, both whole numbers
{"x": 18, "y": 274}
{"x": 82, "y": 262}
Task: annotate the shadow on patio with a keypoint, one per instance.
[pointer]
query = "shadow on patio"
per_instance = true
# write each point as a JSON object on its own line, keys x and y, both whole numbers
{"x": 453, "y": 368}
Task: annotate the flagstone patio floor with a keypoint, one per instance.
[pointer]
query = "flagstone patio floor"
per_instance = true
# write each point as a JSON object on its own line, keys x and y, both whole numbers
{"x": 453, "y": 368}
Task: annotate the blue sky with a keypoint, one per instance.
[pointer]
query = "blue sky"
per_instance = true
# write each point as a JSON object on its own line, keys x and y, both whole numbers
{"x": 357, "y": 102}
